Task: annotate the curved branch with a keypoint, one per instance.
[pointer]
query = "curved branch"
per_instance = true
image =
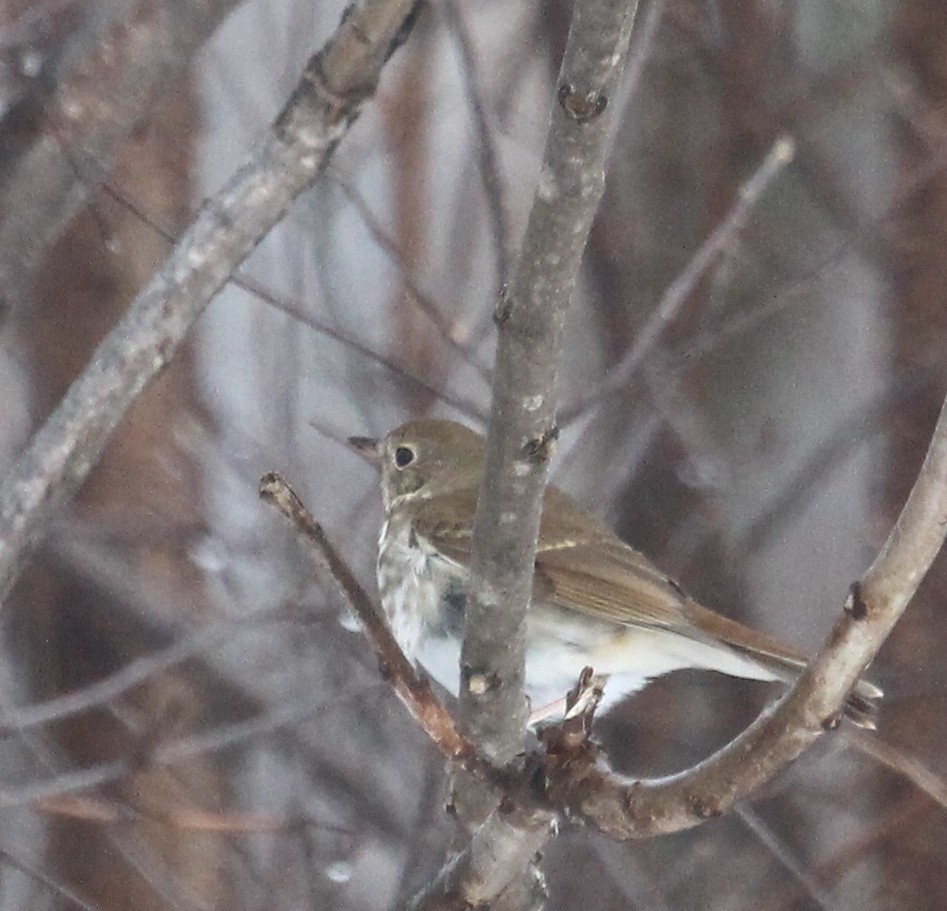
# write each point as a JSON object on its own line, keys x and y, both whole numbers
{"x": 635, "y": 809}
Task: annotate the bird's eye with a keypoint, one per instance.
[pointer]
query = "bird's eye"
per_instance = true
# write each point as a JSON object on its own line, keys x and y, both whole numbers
{"x": 404, "y": 456}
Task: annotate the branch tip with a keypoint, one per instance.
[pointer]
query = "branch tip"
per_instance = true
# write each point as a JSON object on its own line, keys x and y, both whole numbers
{"x": 581, "y": 106}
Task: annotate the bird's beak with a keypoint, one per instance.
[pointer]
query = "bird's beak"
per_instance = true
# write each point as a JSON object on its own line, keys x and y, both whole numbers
{"x": 367, "y": 448}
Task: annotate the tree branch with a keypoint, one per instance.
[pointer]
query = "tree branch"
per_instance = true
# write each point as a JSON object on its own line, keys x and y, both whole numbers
{"x": 530, "y": 316}
{"x": 411, "y": 687}
{"x": 334, "y": 86}
{"x": 678, "y": 292}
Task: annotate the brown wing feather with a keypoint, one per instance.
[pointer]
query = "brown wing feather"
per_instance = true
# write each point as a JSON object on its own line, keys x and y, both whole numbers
{"x": 447, "y": 522}
{"x": 580, "y": 563}
{"x": 607, "y": 580}
{"x": 583, "y": 566}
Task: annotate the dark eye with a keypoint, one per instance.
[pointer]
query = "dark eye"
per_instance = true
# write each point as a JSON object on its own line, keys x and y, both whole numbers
{"x": 404, "y": 456}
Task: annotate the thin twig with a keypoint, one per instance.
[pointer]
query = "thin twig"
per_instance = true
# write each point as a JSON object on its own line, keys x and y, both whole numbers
{"x": 813, "y": 889}
{"x": 425, "y": 303}
{"x": 904, "y": 764}
{"x": 103, "y": 691}
{"x": 849, "y": 433}
{"x": 799, "y": 290}
{"x": 54, "y": 886}
{"x": 681, "y": 288}
{"x": 488, "y": 159}
{"x": 296, "y": 310}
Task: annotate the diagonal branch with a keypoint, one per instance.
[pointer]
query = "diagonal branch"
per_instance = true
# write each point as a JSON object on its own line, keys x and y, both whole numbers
{"x": 411, "y": 687}
{"x": 335, "y": 85}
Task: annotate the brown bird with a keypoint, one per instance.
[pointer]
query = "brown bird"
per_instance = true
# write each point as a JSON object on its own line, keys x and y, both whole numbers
{"x": 596, "y": 601}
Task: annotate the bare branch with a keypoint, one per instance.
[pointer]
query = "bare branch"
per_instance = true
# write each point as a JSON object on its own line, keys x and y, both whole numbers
{"x": 907, "y": 766}
{"x": 425, "y": 303}
{"x": 681, "y": 288}
{"x": 102, "y": 691}
{"x": 336, "y": 83}
{"x": 488, "y": 155}
{"x": 412, "y": 688}
{"x": 297, "y": 310}
{"x": 105, "y": 810}
{"x": 530, "y": 317}
{"x": 54, "y": 886}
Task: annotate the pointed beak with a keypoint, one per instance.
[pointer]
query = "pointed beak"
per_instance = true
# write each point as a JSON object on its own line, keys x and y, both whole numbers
{"x": 367, "y": 448}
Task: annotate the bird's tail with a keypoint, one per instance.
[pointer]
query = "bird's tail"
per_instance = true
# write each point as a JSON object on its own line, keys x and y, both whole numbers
{"x": 780, "y": 661}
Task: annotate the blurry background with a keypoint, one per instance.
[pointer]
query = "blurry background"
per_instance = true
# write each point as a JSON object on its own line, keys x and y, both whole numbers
{"x": 231, "y": 737}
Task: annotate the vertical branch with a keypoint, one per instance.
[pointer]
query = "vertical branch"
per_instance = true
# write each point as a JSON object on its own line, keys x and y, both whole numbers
{"x": 530, "y": 316}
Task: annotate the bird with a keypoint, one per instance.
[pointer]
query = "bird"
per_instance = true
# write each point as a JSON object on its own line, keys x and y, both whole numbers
{"x": 596, "y": 601}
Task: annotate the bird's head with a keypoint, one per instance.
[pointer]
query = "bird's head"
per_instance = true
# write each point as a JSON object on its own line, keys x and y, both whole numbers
{"x": 424, "y": 458}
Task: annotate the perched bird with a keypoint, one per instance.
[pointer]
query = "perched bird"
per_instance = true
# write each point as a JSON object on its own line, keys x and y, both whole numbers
{"x": 596, "y": 601}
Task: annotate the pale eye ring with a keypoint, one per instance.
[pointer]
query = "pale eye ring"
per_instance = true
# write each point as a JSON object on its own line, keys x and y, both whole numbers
{"x": 404, "y": 456}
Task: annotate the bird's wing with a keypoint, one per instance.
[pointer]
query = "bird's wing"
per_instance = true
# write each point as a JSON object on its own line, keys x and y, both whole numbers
{"x": 607, "y": 580}
{"x": 446, "y": 524}
{"x": 580, "y": 564}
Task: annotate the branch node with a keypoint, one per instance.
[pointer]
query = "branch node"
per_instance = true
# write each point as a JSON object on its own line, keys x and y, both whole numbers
{"x": 504, "y": 307}
{"x": 705, "y": 808}
{"x": 540, "y": 449}
{"x": 477, "y": 683}
{"x": 315, "y": 87}
{"x": 855, "y": 604}
{"x": 581, "y": 106}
